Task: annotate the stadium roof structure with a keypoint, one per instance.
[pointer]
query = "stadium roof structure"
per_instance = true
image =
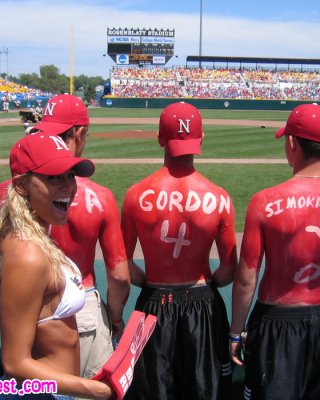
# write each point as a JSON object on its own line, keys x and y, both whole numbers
{"x": 302, "y": 62}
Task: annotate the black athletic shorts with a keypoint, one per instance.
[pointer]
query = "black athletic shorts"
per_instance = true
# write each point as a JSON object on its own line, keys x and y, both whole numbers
{"x": 187, "y": 356}
{"x": 282, "y": 354}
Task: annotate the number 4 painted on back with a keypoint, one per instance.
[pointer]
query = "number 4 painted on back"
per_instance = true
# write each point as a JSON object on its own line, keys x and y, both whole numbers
{"x": 179, "y": 241}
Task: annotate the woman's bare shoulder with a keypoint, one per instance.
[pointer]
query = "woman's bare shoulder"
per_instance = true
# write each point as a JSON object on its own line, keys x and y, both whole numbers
{"x": 25, "y": 256}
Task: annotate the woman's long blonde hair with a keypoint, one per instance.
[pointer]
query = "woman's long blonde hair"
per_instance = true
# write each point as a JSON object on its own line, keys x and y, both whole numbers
{"x": 18, "y": 219}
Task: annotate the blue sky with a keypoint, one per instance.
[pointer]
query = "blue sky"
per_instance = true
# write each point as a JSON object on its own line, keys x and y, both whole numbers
{"x": 38, "y": 32}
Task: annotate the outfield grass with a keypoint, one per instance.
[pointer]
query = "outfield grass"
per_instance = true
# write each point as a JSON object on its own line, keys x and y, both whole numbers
{"x": 256, "y": 115}
{"x": 221, "y": 141}
{"x": 240, "y": 180}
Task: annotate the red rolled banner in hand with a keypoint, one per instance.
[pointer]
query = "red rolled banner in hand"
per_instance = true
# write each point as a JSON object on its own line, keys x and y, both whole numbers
{"x": 118, "y": 370}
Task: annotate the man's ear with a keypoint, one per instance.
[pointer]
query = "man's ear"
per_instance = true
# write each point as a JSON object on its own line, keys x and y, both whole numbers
{"x": 292, "y": 142}
{"x": 20, "y": 185}
{"x": 160, "y": 140}
{"x": 202, "y": 137}
{"x": 78, "y": 134}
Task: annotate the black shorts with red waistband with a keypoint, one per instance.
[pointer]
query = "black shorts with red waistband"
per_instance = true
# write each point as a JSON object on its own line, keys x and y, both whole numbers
{"x": 187, "y": 356}
{"x": 282, "y": 355}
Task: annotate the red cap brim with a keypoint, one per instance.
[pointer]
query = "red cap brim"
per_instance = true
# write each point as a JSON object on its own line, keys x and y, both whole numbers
{"x": 279, "y": 133}
{"x": 52, "y": 128}
{"x": 179, "y": 147}
{"x": 83, "y": 167}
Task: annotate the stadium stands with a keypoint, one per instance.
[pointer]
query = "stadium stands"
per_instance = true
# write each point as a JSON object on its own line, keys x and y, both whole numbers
{"x": 13, "y": 92}
{"x": 187, "y": 82}
{"x": 215, "y": 83}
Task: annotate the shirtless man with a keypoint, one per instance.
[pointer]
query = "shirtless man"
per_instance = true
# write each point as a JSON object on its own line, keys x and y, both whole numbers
{"x": 282, "y": 355}
{"x": 177, "y": 214}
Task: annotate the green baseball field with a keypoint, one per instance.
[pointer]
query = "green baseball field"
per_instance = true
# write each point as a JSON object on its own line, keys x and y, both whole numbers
{"x": 239, "y": 150}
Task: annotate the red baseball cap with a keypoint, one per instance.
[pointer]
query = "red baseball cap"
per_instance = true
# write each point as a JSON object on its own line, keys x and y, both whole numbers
{"x": 47, "y": 155}
{"x": 304, "y": 122}
{"x": 61, "y": 113}
{"x": 181, "y": 129}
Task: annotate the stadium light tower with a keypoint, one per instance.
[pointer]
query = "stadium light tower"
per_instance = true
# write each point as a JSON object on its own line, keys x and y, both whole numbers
{"x": 71, "y": 60}
{"x": 200, "y": 36}
{"x": 6, "y": 52}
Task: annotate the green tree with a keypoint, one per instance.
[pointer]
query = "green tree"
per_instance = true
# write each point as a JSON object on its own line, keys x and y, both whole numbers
{"x": 52, "y": 81}
{"x": 30, "y": 80}
{"x": 81, "y": 82}
{"x": 90, "y": 92}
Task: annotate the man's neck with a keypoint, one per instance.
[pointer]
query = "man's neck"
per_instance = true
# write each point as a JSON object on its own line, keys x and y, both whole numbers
{"x": 309, "y": 168}
{"x": 185, "y": 161}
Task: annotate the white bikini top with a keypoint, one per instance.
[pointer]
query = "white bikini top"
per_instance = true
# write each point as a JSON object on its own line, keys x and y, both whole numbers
{"x": 73, "y": 298}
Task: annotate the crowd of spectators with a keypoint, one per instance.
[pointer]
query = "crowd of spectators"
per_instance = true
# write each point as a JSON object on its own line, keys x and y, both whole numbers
{"x": 182, "y": 82}
{"x": 219, "y": 83}
{"x": 13, "y": 92}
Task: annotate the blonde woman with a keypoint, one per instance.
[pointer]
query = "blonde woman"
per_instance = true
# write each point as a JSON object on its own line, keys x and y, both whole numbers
{"x": 41, "y": 289}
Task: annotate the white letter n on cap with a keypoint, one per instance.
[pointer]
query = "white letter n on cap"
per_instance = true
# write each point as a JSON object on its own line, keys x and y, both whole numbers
{"x": 184, "y": 126}
{"x": 49, "y": 109}
{"x": 60, "y": 144}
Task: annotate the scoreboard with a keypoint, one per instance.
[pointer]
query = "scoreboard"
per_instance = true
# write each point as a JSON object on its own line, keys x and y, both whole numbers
{"x": 140, "y": 46}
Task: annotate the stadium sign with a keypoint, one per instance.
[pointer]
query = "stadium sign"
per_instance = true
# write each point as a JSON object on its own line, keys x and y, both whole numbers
{"x": 124, "y": 39}
{"x": 158, "y": 60}
{"x": 122, "y": 59}
{"x": 140, "y": 32}
{"x": 157, "y": 40}
{"x": 142, "y": 46}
